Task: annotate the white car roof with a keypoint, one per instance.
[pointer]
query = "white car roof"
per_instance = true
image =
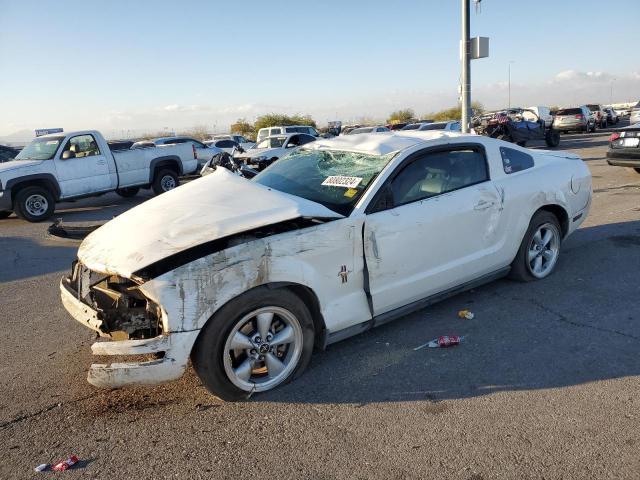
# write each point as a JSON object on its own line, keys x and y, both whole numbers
{"x": 383, "y": 143}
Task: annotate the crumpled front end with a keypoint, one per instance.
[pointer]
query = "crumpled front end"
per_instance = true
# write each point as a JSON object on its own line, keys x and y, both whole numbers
{"x": 134, "y": 326}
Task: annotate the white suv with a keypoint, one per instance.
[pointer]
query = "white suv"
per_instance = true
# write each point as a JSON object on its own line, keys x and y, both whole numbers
{"x": 284, "y": 130}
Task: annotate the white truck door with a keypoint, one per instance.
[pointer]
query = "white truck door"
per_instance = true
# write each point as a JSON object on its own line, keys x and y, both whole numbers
{"x": 85, "y": 169}
{"x": 439, "y": 230}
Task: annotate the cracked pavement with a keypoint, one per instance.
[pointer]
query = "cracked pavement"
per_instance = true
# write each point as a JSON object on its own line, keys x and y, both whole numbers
{"x": 545, "y": 385}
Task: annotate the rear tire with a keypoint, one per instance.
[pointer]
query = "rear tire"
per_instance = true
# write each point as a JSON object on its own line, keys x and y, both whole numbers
{"x": 221, "y": 350}
{"x": 538, "y": 256}
{"x": 552, "y": 138}
{"x": 34, "y": 204}
{"x": 164, "y": 181}
{"x": 128, "y": 192}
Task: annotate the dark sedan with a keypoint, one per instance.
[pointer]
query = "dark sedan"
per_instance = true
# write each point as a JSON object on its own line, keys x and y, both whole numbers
{"x": 7, "y": 153}
{"x": 624, "y": 148}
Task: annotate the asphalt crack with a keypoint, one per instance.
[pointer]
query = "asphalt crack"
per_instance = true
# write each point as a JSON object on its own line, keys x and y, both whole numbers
{"x": 27, "y": 416}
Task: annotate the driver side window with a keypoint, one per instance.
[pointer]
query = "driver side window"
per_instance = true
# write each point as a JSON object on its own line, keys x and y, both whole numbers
{"x": 82, "y": 146}
{"x": 435, "y": 173}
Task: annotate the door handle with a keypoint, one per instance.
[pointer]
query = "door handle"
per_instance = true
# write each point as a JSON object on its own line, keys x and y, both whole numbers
{"x": 483, "y": 205}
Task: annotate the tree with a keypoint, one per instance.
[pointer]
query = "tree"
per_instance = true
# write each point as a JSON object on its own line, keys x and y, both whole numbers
{"x": 243, "y": 127}
{"x": 401, "y": 116}
{"x": 454, "y": 113}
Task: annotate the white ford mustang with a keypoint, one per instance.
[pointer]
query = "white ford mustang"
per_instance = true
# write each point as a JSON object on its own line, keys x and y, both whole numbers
{"x": 246, "y": 277}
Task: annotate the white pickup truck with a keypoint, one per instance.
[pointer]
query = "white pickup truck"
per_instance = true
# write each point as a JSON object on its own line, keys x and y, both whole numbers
{"x": 59, "y": 167}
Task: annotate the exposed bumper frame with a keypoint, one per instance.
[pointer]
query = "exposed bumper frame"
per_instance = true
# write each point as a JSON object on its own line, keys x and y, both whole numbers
{"x": 175, "y": 347}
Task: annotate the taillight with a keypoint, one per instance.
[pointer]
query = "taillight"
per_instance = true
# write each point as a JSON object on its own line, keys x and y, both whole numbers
{"x": 193, "y": 147}
{"x": 614, "y": 136}
{"x": 579, "y": 115}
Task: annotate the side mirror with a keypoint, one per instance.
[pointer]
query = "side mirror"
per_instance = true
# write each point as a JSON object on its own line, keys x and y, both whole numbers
{"x": 67, "y": 154}
{"x": 290, "y": 145}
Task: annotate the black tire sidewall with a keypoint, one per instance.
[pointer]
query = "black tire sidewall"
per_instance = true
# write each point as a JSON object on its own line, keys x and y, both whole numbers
{"x": 207, "y": 353}
{"x": 128, "y": 192}
{"x": 21, "y": 197}
{"x": 519, "y": 269}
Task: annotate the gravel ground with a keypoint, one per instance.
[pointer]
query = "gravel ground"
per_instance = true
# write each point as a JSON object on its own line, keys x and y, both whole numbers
{"x": 545, "y": 385}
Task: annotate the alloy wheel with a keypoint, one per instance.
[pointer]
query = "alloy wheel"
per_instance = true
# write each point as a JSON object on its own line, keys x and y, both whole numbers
{"x": 543, "y": 250}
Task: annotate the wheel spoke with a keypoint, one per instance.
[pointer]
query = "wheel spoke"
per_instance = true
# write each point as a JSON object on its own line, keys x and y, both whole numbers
{"x": 537, "y": 264}
{"x": 547, "y": 238}
{"x": 243, "y": 371}
{"x": 286, "y": 335}
{"x": 537, "y": 238}
{"x": 548, "y": 255}
{"x": 264, "y": 323}
{"x": 531, "y": 255}
{"x": 241, "y": 341}
{"x": 274, "y": 365}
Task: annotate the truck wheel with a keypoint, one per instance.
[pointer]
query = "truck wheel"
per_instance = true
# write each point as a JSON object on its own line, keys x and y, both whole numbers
{"x": 4, "y": 215}
{"x": 254, "y": 343}
{"x": 552, "y": 138}
{"x": 34, "y": 204}
{"x": 540, "y": 248}
{"x": 164, "y": 181}
{"x": 128, "y": 192}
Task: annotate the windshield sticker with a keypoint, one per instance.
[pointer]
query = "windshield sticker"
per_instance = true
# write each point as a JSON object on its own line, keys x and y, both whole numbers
{"x": 341, "y": 181}
{"x": 350, "y": 193}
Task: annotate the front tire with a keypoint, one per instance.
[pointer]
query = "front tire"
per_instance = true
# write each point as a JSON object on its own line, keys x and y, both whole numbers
{"x": 34, "y": 204}
{"x": 256, "y": 342}
{"x": 164, "y": 181}
{"x": 552, "y": 138}
{"x": 540, "y": 249}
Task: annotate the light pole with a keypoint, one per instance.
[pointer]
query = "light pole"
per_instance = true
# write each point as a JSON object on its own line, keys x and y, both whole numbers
{"x": 510, "y": 62}
{"x": 611, "y": 93}
{"x": 466, "y": 68}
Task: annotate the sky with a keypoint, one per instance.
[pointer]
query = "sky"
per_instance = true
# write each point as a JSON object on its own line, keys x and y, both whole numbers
{"x": 136, "y": 66}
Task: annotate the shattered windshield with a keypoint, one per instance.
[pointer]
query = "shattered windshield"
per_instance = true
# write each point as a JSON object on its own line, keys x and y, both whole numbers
{"x": 43, "y": 148}
{"x": 335, "y": 179}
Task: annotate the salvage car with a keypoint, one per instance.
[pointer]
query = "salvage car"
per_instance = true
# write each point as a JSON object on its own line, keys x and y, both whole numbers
{"x": 272, "y": 148}
{"x": 342, "y": 235}
{"x": 517, "y": 125}
{"x": 624, "y": 147}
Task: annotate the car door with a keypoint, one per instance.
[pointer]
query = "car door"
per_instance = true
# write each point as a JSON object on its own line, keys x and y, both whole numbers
{"x": 432, "y": 226}
{"x": 86, "y": 171}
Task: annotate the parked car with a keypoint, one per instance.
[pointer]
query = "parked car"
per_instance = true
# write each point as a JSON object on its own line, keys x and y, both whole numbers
{"x": 58, "y": 167}
{"x": 622, "y": 112}
{"x": 397, "y": 126}
{"x": 285, "y": 129}
{"x": 544, "y": 113}
{"x": 308, "y": 253}
{"x": 574, "y": 119}
{"x": 600, "y": 114}
{"x": 416, "y": 125}
{"x": 360, "y": 130}
{"x": 239, "y": 139}
{"x": 143, "y": 144}
{"x": 517, "y": 125}
{"x": 634, "y": 116}
{"x": 7, "y": 153}
{"x": 226, "y": 145}
{"x": 612, "y": 116}
{"x": 449, "y": 126}
{"x": 272, "y": 148}
{"x": 203, "y": 152}
{"x": 624, "y": 147}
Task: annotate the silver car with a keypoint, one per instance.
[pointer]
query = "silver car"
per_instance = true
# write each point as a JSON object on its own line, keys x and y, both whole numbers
{"x": 574, "y": 119}
{"x": 635, "y": 114}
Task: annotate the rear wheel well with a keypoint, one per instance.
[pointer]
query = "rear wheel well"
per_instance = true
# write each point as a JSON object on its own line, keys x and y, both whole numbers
{"x": 167, "y": 165}
{"x": 561, "y": 214}
{"x": 34, "y": 183}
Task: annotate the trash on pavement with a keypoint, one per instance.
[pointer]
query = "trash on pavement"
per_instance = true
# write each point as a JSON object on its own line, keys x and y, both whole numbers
{"x": 75, "y": 231}
{"x": 43, "y": 467}
{"x": 442, "y": 341}
{"x": 466, "y": 314}
{"x": 63, "y": 465}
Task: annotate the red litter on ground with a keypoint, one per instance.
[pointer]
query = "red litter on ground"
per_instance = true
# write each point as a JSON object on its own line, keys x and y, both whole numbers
{"x": 442, "y": 342}
{"x": 63, "y": 465}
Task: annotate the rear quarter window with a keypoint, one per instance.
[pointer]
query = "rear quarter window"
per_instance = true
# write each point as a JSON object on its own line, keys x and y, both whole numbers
{"x": 514, "y": 160}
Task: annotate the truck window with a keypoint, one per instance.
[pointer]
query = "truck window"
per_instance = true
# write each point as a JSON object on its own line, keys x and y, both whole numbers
{"x": 82, "y": 146}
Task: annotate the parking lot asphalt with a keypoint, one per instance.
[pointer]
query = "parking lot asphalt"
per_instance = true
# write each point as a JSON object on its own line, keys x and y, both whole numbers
{"x": 545, "y": 385}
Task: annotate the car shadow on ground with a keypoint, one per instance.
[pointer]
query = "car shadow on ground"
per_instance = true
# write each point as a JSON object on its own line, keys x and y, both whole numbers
{"x": 23, "y": 258}
{"x": 567, "y": 330}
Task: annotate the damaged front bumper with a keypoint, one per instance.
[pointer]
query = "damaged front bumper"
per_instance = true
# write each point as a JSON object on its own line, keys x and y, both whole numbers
{"x": 169, "y": 351}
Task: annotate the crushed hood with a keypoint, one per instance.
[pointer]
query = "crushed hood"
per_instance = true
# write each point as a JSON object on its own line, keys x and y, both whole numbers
{"x": 212, "y": 207}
